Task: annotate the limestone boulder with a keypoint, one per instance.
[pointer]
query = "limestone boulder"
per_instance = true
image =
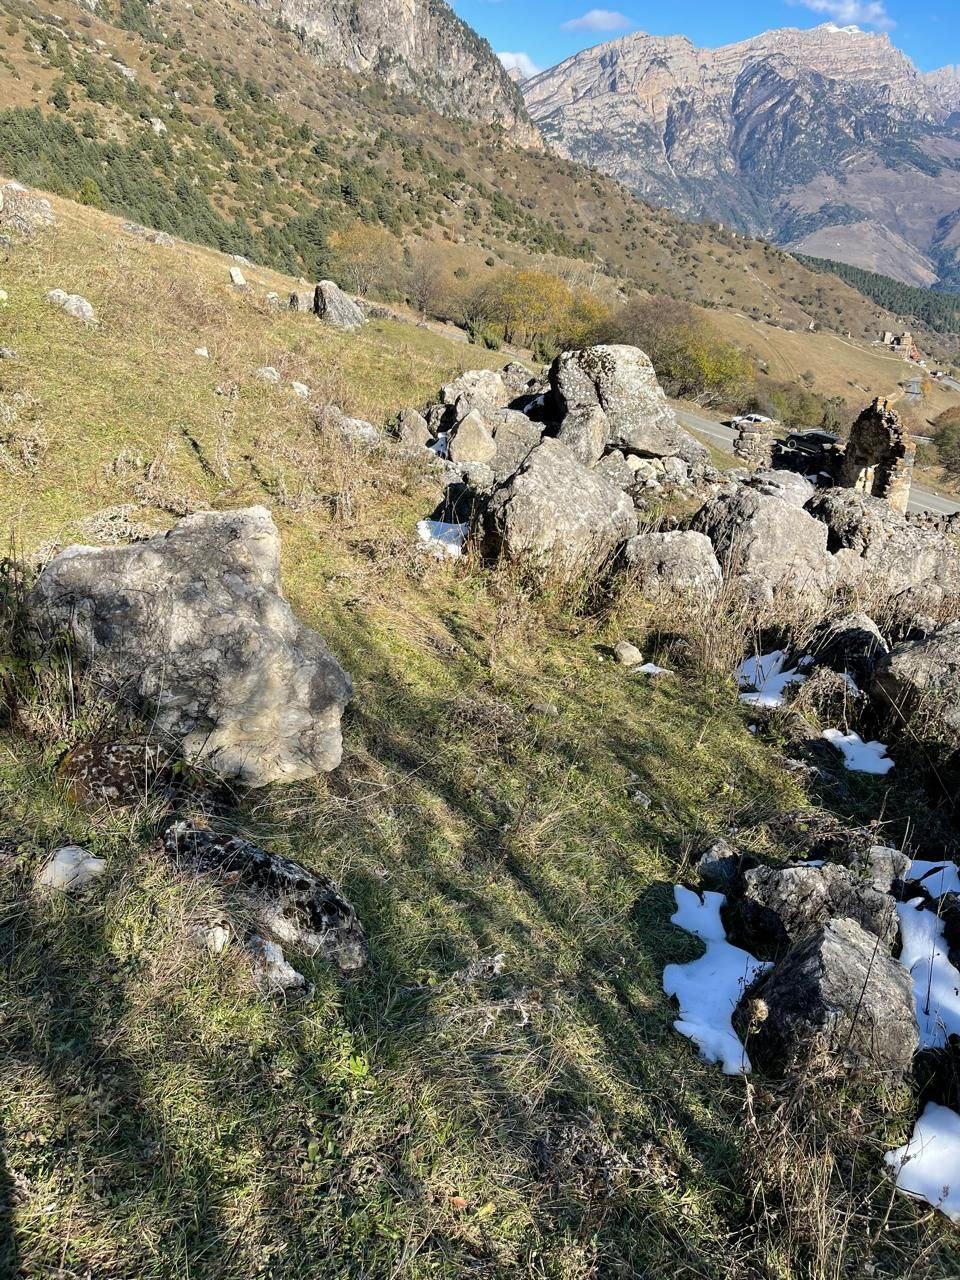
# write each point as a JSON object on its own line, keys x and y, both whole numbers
{"x": 852, "y": 645}
{"x": 23, "y": 212}
{"x": 557, "y": 515}
{"x": 482, "y": 389}
{"x": 585, "y": 432}
{"x": 621, "y": 381}
{"x": 191, "y": 630}
{"x": 74, "y": 304}
{"x": 836, "y": 992}
{"x": 331, "y": 304}
{"x": 471, "y": 441}
{"x": 678, "y": 563}
{"x": 516, "y": 436}
{"x": 770, "y": 545}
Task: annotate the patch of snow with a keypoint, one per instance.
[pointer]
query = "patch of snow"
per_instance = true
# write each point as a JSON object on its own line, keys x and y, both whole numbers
{"x": 928, "y": 1167}
{"x": 651, "y": 669}
{"x": 441, "y": 446}
{"x": 936, "y": 983}
{"x": 937, "y": 878}
{"x": 709, "y": 989}
{"x": 860, "y": 756}
{"x": 443, "y": 539}
{"x": 71, "y": 868}
{"x": 764, "y": 679}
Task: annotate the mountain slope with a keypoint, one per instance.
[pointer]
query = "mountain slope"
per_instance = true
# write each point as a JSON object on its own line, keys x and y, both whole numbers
{"x": 219, "y": 126}
{"x": 417, "y": 45}
{"x": 794, "y": 135}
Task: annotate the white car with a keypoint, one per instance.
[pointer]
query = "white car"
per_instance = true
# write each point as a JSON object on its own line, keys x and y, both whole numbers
{"x": 746, "y": 418}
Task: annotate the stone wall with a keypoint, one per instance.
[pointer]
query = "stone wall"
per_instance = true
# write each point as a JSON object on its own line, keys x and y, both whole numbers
{"x": 879, "y": 457}
{"x": 754, "y": 445}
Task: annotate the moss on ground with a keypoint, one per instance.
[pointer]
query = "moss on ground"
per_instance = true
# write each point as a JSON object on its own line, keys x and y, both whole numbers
{"x": 538, "y": 1117}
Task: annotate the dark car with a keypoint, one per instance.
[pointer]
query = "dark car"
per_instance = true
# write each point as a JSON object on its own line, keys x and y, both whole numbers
{"x": 807, "y": 452}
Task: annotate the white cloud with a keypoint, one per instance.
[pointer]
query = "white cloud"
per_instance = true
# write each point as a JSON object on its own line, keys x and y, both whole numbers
{"x": 599, "y": 20}
{"x": 861, "y": 13}
{"x": 521, "y": 62}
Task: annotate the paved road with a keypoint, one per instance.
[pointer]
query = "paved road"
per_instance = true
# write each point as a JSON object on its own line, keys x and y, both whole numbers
{"x": 723, "y": 437}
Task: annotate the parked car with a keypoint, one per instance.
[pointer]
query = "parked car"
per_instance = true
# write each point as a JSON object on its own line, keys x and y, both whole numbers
{"x": 808, "y": 453}
{"x": 746, "y": 418}
{"x": 812, "y": 443}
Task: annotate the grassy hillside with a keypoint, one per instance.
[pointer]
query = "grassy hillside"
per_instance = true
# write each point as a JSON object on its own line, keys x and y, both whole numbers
{"x": 263, "y": 153}
{"x": 501, "y": 1094}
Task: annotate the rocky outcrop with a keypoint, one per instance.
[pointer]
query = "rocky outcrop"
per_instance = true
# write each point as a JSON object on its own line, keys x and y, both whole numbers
{"x": 620, "y": 381}
{"x": 288, "y": 900}
{"x": 839, "y": 993}
{"x": 875, "y": 545}
{"x": 418, "y": 46}
{"x": 191, "y": 629}
{"x": 675, "y": 564}
{"x": 852, "y": 645}
{"x": 557, "y": 516}
{"x": 22, "y": 211}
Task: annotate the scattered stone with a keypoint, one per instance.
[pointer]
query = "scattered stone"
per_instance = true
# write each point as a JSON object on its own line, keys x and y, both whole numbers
{"x": 627, "y": 654}
{"x": 922, "y": 678}
{"x": 720, "y": 868}
{"x": 301, "y": 390}
{"x": 772, "y": 547}
{"x": 302, "y": 299}
{"x": 237, "y": 278}
{"x": 675, "y": 564}
{"x": 267, "y": 373}
{"x": 202, "y": 353}
{"x": 274, "y": 976}
{"x": 22, "y": 212}
{"x": 331, "y": 304}
{"x": 191, "y": 629}
{"x": 73, "y": 304}
{"x": 557, "y": 515}
{"x": 292, "y": 903}
{"x": 7, "y": 353}
{"x": 71, "y": 869}
{"x": 838, "y": 992}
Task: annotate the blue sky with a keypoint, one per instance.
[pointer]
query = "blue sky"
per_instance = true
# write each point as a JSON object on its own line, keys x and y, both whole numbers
{"x": 546, "y": 31}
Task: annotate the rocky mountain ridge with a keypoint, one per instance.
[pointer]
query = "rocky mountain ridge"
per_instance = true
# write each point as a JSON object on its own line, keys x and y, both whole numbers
{"x": 797, "y": 135}
{"x": 419, "y": 46}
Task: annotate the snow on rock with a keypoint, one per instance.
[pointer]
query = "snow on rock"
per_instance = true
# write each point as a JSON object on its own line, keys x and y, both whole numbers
{"x": 443, "y": 539}
{"x": 764, "y": 680}
{"x": 936, "y": 983}
{"x": 928, "y": 1167}
{"x": 709, "y": 989}
{"x": 860, "y": 756}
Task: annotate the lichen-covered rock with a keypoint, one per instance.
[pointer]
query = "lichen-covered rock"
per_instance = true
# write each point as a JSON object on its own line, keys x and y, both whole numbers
{"x": 585, "y": 433}
{"x": 556, "y": 514}
{"x": 677, "y": 563}
{"x": 413, "y": 429}
{"x": 482, "y": 389}
{"x": 191, "y": 629}
{"x": 516, "y": 436}
{"x": 836, "y": 992}
{"x": 331, "y": 304}
{"x": 291, "y": 902}
{"x": 779, "y": 906}
{"x": 621, "y": 381}
{"x": 773, "y": 547}
{"x": 115, "y": 773}
{"x": 789, "y": 485}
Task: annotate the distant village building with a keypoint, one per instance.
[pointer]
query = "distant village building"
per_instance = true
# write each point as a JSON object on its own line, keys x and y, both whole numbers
{"x": 901, "y": 343}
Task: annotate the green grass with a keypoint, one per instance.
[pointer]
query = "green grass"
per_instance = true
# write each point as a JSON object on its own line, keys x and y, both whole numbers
{"x": 160, "y": 1119}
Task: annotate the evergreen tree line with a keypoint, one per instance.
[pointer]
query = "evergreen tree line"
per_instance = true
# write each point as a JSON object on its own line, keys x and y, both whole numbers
{"x": 940, "y": 311}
